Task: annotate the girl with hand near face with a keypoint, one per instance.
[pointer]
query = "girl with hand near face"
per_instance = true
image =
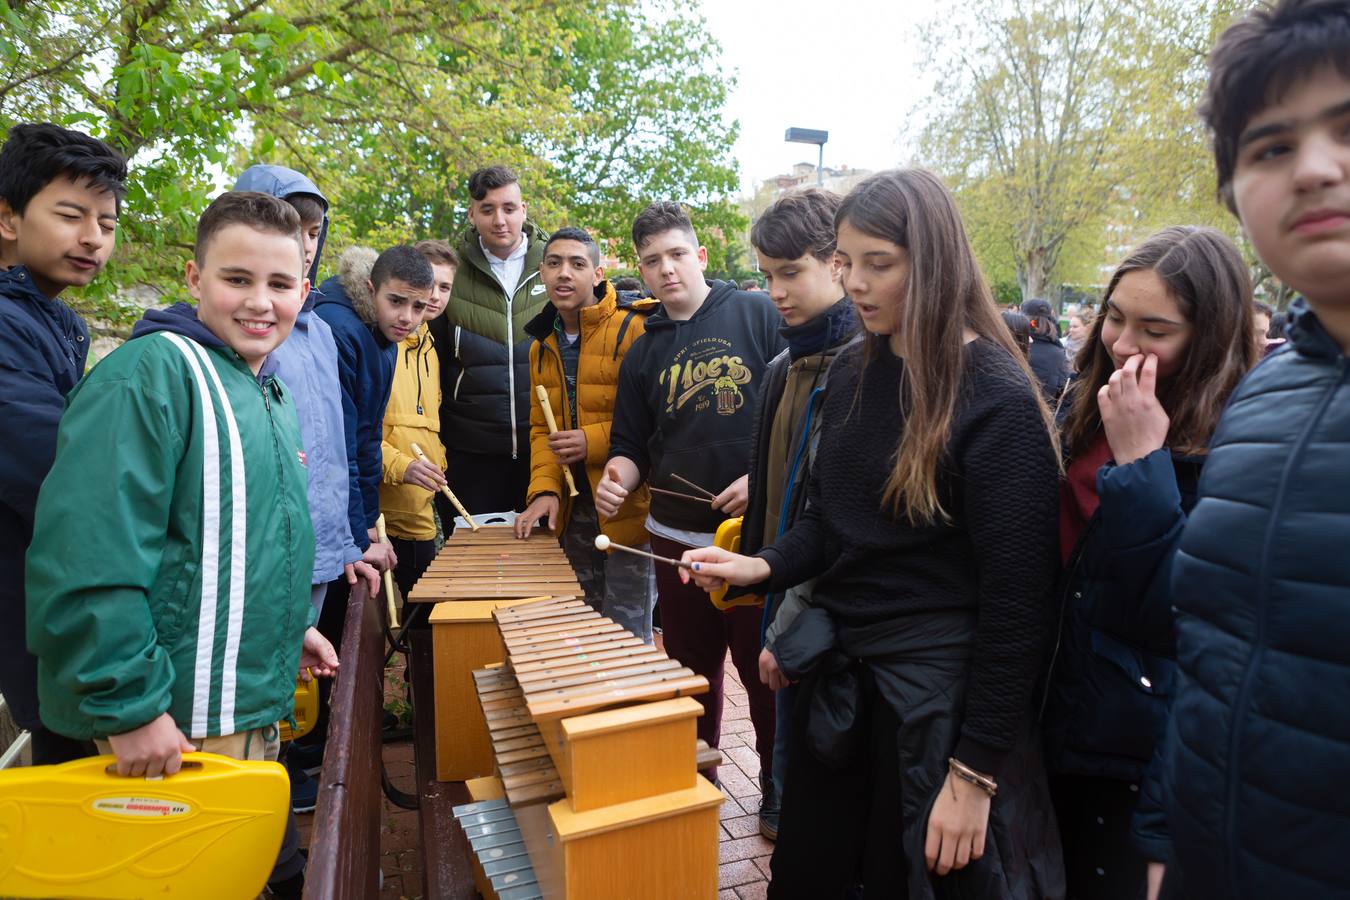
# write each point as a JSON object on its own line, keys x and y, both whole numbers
{"x": 1172, "y": 339}
{"x": 914, "y": 767}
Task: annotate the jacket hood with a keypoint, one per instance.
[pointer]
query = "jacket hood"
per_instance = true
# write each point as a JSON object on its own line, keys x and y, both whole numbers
{"x": 417, "y": 336}
{"x": 17, "y": 281}
{"x": 719, "y": 292}
{"x": 350, "y": 287}
{"x": 282, "y": 182}
{"x": 181, "y": 318}
{"x": 1307, "y": 334}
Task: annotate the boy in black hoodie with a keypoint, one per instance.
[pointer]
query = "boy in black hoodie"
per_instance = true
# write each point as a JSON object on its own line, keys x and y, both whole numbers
{"x": 684, "y": 414}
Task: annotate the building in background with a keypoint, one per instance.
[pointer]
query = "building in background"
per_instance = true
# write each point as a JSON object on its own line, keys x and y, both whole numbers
{"x": 803, "y": 174}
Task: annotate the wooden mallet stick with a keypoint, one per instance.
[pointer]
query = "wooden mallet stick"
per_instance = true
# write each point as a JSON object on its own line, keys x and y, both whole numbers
{"x": 388, "y": 575}
{"x": 542, "y": 393}
{"x": 687, "y": 483}
{"x": 604, "y": 544}
{"x": 657, "y": 490}
{"x": 449, "y": 494}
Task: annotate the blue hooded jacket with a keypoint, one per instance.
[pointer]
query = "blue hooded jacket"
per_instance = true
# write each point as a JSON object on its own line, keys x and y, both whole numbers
{"x": 43, "y": 348}
{"x": 307, "y": 363}
{"x": 366, "y": 372}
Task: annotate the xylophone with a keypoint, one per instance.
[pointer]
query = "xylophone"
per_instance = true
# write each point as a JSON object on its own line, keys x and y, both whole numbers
{"x": 594, "y": 743}
{"x": 474, "y": 574}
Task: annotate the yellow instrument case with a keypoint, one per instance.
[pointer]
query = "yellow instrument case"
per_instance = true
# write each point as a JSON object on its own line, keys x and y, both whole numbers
{"x": 76, "y": 831}
{"x": 306, "y": 711}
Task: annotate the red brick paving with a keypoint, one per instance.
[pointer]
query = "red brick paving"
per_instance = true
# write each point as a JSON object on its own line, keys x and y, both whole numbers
{"x": 743, "y": 855}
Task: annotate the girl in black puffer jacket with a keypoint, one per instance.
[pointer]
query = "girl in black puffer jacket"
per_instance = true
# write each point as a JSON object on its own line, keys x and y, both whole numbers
{"x": 1048, "y": 359}
{"x": 1171, "y": 341}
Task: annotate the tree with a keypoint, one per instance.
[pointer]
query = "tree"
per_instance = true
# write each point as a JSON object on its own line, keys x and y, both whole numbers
{"x": 1069, "y": 120}
{"x": 649, "y": 101}
{"x": 388, "y": 105}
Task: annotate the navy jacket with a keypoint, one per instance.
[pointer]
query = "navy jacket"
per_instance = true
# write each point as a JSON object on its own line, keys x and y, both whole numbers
{"x": 1260, "y": 731}
{"x": 43, "y": 348}
{"x": 1113, "y": 674}
{"x": 365, "y": 372}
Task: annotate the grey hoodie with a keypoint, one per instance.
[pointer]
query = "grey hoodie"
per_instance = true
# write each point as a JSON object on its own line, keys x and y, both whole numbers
{"x": 307, "y": 364}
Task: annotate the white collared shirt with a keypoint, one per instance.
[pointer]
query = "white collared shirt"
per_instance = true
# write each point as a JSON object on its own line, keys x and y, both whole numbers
{"x": 509, "y": 270}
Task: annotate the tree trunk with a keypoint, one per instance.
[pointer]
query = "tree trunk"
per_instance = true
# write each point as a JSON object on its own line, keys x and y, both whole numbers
{"x": 1033, "y": 276}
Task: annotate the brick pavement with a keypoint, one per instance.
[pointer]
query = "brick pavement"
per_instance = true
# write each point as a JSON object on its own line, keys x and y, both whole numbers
{"x": 742, "y": 854}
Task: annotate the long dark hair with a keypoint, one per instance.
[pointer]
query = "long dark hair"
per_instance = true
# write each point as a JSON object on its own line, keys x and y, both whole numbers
{"x": 1208, "y": 279}
{"x": 945, "y": 296}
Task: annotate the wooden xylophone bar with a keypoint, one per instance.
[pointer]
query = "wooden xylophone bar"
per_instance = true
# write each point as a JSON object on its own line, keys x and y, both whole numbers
{"x": 475, "y": 573}
{"x": 593, "y": 739}
{"x": 492, "y": 563}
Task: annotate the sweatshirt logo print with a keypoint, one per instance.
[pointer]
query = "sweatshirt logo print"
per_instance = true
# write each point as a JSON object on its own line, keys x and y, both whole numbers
{"x": 707, "y": 373}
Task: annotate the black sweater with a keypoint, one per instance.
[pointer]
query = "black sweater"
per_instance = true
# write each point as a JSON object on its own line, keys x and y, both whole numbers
{"x": 686, "y": 399}
{"x": 995, "y": 557}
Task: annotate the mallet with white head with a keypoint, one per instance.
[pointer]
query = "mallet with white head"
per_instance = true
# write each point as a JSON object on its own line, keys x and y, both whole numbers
{"x": 604, "y": 544}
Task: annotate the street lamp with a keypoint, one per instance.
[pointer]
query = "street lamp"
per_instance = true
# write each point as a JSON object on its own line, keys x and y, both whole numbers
{"x": 811, "y": 136}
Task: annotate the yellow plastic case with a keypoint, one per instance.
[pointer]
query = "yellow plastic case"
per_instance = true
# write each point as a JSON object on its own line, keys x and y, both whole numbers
{"x": 728, "y": 537}
{"x": 306, "y": 710}
{"x": 73, "y": 830}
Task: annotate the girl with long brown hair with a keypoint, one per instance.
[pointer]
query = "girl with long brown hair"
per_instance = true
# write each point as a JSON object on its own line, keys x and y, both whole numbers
{"x": 1171, "y": 341}
{"x": 913, "y": 766}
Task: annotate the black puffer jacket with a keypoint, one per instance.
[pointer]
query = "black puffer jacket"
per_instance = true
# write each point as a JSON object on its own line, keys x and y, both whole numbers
{"x": 1051, "y": 365}
{"x": 485, "y": 353}
{"x": 1260, "y": 743}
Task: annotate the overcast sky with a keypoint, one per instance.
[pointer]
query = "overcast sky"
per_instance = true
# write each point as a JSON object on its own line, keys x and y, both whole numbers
{"x": 850, "y": 67}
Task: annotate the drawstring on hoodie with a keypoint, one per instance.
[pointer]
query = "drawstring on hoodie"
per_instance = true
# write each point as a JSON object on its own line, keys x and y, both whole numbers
{"x": 423, "y": 359}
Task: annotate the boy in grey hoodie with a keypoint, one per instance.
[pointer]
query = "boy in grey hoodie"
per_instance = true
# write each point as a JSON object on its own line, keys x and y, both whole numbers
{"x": 307, "y": 364}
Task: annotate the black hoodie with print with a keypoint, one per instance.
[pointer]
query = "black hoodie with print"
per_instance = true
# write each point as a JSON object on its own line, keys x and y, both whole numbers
{"x": 686, "y": 399}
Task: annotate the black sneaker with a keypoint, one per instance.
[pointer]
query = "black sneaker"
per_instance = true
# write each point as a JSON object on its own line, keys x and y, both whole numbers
{"x": 292, "y": 888}
{"x": 768, "y": 810}
{"x": 304, "y": 792}
{"x": 305, "y": 758}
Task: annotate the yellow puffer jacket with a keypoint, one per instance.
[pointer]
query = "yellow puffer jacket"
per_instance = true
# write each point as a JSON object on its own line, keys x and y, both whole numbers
{"x": 608, "y": 329}
{"x": 413, "y": 416}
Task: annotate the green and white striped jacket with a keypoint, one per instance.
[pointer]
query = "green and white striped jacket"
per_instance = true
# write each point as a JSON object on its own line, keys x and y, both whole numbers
{"x": 172, "y": 547}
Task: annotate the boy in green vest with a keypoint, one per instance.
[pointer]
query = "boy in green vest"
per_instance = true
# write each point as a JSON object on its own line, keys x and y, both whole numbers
{"x": 168, "y": 579}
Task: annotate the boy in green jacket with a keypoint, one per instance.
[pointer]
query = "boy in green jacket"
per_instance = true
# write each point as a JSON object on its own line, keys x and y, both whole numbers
{"x": 168, "y": 577}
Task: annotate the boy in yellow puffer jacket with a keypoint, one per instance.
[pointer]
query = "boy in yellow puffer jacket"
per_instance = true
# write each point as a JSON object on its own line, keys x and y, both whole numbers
{"x": 580, "y": 339}
{"x": 413, "y": 416}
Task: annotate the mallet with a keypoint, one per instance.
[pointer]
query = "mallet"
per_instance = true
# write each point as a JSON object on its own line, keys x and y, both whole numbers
{"x": 604, "y": 544}
{"x": 449, "y": 494}
{"x": 542, "y": 393}
{"x": 687, "y": 483}
{"x": 388, "y": 575}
